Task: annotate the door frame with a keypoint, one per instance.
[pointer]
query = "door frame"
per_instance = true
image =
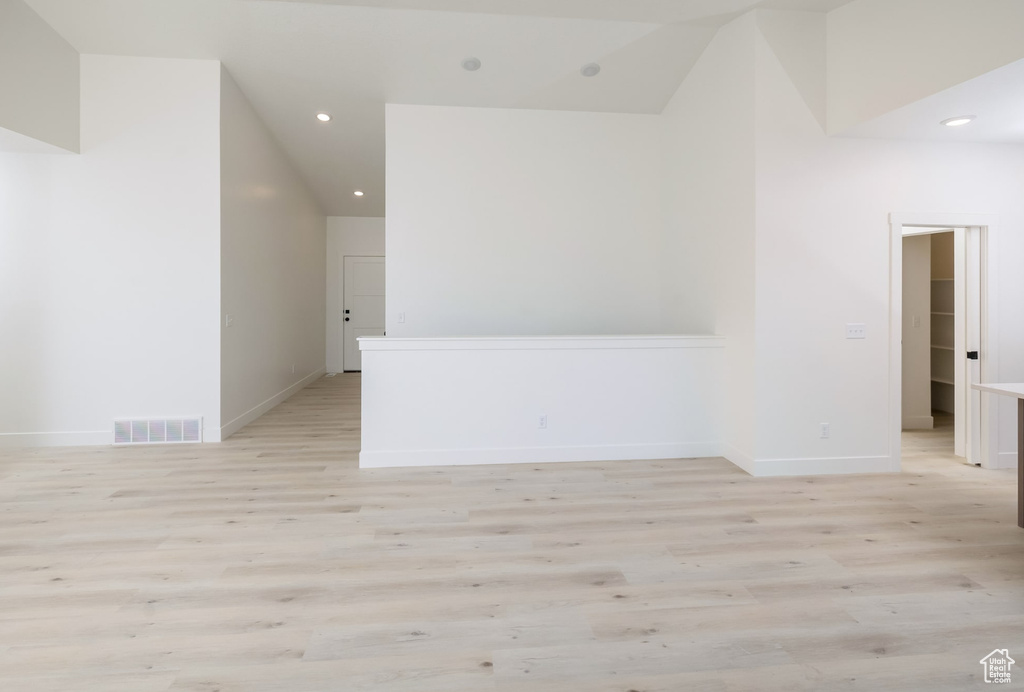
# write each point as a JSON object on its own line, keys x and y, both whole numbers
{"x": 985, "y": 226}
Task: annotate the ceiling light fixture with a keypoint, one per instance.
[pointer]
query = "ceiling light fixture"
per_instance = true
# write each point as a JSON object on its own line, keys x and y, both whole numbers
{"x": 958, "y": 120}
{"x": 323, "y": 117}
{"x": 358, "y": 193}
{"x": 590, "y": 69}
{"x": 471, "y": 64}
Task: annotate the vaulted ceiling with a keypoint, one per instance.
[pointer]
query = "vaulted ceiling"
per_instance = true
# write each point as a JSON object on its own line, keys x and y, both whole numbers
{"x": 295, "y": 58}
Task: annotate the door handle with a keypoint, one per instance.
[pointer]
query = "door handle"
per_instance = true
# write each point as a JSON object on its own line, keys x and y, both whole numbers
{"x": 972, "y": 355}
{"x": 346, "y": 319}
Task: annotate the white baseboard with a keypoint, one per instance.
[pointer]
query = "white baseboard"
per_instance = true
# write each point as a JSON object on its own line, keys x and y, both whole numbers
{"x": 918, "y": 422}
{"x": 56, "y": 439}
{"x": 233, "y": 426}
{"x": 821, "y": 467}
{"x": 1006, "y": 460}
{"x": 744, "y": 461}
{"x": 535, "y": 455}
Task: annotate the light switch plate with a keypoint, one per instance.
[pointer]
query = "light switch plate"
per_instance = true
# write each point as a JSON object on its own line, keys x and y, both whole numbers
{"x": 856, "y": 331}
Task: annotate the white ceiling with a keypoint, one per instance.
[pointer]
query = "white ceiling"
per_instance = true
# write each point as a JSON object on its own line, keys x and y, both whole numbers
{"x": 996, "y": 98}
{"x": 650, "y": 11}
{"x": 294, "y": 58}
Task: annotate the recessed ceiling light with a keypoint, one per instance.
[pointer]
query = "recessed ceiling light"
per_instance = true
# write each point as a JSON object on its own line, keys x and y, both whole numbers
{"x": 358, "y": 193}
{"x": 590, "y": 69}
{"x": 471, "y": 64}
{"x": 958, "y": 120}
{"x": 323, "y": 117}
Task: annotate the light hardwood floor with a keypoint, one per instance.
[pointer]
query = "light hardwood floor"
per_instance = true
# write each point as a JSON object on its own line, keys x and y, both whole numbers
{"x": 271, "y": 563}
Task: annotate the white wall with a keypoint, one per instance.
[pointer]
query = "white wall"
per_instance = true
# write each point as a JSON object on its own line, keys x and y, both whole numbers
{"x": 772, "y": 234}
{"x": 346, "y": 235}
{"x": 707, "y": 262}
{"x": 39, "y": 81}
{"x": 823, "y": 261}
{"x": 273, "y": 274}
{"x": 522, "y": 222}
{"x": 917, "y": 318}
{"x": 477, "y": 401}
{"x": 109, "y": 260}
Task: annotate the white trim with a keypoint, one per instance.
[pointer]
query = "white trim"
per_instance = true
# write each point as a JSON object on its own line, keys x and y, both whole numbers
{"x": 738, "y": 458}
{"x": 918, "y": 422}
{"x": 989, "y": 335}
{"x": 941, "y": 221}
{"x": 547, "y": 343}
{"x": 989, "y": 322}
{"x": 230, "y": 428}
{"x": 536, "y": 455}
{"x": 820, "y": 467}
{"x": 56, "y": 439}
{"x": 910, "y": 231}
{"x": 807, "y": 467}
{"x": 1010, "y": 389}
{"x": 1006, "y": 460}
{"x": 895, "y": 372}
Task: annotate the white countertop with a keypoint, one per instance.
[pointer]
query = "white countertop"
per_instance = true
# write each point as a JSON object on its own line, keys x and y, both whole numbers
{"x": 501, "y": 343}
{"x": 1011, "y": 389}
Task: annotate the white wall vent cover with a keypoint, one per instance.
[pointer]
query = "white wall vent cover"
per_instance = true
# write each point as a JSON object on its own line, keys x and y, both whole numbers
{"x": 142, "y": 431}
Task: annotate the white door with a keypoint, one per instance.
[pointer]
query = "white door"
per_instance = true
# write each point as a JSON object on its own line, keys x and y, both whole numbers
{"x": 971, "y": 349}
{"x": 961, "y": 408}
{"x": 967, "y": 342}
{"x": 363, "y": 312}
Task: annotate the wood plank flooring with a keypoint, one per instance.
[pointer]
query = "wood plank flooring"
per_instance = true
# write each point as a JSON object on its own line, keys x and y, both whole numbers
{"x": 271, "y": 563}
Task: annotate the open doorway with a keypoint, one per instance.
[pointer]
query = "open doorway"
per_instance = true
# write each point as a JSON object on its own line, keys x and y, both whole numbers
{"x": 941, "y": 318}
{"x": 930, "y": 337}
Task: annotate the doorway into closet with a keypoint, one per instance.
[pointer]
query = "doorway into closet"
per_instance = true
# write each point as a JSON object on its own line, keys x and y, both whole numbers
{"x": 940, "y": 413}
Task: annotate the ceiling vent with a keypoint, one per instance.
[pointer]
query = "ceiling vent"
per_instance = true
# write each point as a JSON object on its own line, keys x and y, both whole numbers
{"x": 145, "y": 431}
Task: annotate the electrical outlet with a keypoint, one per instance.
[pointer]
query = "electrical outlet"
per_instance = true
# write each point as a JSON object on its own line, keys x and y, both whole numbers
{"x": 401, "y": 318}
{"x": 542, "y": 422}
{"x": 856, "y": 331}
{"x": 825, "y": 431}
{"x": 915, "y": 321}
{"x": 229, "y": 320}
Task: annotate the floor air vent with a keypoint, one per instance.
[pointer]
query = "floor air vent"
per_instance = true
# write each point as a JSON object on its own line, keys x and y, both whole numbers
{"x": 158, "y": 431}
